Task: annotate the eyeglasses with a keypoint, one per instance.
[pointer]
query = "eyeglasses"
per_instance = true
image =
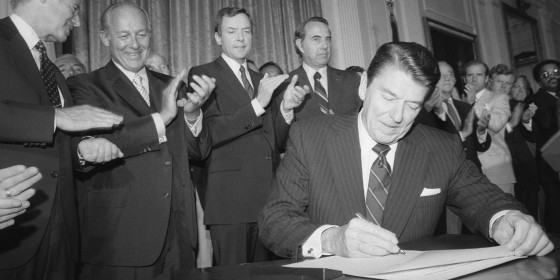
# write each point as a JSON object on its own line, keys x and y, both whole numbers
{"x": 546, "y": 75}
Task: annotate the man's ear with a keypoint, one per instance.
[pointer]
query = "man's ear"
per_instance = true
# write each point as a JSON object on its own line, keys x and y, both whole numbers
{"x": 298, "y": 45}
{"x": 362, "y": 88}
{"x": 218, "y": 38}
{"x": 104, "y": 38}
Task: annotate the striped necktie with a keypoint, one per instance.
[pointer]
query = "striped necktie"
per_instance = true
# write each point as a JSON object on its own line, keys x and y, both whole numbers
{"x": 378, "y": 185}
{"x": 320, "y": 91}
{"x": 452, "y": 113}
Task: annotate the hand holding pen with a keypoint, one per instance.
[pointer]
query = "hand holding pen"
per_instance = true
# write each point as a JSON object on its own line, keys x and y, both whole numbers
{"x": 359, "y": 215}
{"x": 359, "y": 238}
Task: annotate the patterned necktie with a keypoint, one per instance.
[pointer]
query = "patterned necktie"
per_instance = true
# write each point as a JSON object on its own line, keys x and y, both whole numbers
{"x": 137, "y": 81}
{"x": 246, "y": 84}
{"x": 378, "y": 186}
{"x": 453, "y": 114}
{"x": 322, "y": 94}
{"x": 47, "y": 74}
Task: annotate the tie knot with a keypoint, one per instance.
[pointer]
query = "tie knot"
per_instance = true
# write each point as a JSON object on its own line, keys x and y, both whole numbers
{"x": 40, "y": 46}
{"x": 381, "y": 149}
{"x": 317, "y": 76}
{"x": 242, "y": 69}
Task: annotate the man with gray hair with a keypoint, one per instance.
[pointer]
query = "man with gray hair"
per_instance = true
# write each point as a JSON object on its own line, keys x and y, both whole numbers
{"x": 138, "y": 216}
{"x": 69, "y": 65}
{"x": 37, "y": 113}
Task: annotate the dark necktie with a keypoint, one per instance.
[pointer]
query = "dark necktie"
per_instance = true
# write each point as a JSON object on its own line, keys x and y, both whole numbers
{"x": 47, "y": 73}
{"x": 453, "y": 114}
{"x": 378, "y": 186}
{"x": 246, "y": 84}
{"x": 320, "y": 91}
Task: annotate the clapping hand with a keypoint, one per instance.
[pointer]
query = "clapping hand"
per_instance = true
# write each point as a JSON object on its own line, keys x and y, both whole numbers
{"x": 294, "y": 95}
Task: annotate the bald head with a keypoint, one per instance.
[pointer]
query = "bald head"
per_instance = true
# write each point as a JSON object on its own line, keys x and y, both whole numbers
{"x": 157, "y": 63}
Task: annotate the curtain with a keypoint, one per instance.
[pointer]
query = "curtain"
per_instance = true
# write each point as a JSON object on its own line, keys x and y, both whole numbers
{"x": 183, "y": 30}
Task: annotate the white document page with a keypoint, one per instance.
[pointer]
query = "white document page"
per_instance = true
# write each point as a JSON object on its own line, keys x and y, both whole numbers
{"x": 437, "y": 264}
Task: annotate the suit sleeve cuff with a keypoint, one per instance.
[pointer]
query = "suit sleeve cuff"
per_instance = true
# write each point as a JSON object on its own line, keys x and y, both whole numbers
{"x": 195, "y": 127}
{"x": 160, "y": 127}
{"x": 259, "y": 110}
{"x": 312, "y": 247}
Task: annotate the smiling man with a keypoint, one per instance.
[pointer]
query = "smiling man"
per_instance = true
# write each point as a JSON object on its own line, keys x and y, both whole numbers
{"x": 137, "y": 214}
{"x": 245, "y": 123}
{"x": 378, "y": 163}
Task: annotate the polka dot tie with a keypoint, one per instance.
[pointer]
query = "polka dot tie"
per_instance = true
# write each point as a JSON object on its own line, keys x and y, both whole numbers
{"x": 47, "y": 73}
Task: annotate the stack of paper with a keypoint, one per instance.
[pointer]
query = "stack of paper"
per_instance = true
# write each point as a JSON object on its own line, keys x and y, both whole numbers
{"x": 437, "y": 264}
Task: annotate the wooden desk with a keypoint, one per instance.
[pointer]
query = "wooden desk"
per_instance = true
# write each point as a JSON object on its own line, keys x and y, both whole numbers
{"x": 530, "y": 268}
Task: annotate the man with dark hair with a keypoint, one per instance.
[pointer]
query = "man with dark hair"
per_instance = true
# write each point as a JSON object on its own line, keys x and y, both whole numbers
{"x": 69, "y": 65}
{"x": 334, "y": 91}
{"x": 496, "y": 161}
{"x": 545, "y": 123}
{"x": 246, "y": 123}
{"x": 378, "y": 163}
{"x": 137, "y": 214}
{"x": 271, "y": 68}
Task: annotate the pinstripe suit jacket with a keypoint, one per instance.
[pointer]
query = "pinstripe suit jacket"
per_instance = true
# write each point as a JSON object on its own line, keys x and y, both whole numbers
{"x": 319, "y": 182}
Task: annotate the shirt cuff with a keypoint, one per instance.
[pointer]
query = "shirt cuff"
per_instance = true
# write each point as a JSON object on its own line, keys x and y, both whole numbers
{"x": 288, "y": 115}
{"x": 528, "y": 125}
{"x": 312, "y": 247}
{"x": 493, "y": 220}
{"x": 259, "y": 110}
{"x": 160, "y": 127}
{"x": 196, "y": 127}
{"x": 509, "y": 129}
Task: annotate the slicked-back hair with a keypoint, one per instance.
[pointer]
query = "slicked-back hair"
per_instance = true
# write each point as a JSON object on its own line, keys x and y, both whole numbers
{"x": 471, "y": 63}
{"x": 410, "y": 57}
{"x": 229, "y": 12}
{"x": 300, "y": 30}
{"x": 106, "y": 16}
{"x": 501, "y": 69}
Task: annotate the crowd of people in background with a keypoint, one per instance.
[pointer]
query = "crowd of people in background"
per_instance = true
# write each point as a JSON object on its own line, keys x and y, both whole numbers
{"x": 136, "y": 173}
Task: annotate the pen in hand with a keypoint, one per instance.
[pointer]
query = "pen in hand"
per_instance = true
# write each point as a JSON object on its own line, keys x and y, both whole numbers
{"x": 359, "y": 215}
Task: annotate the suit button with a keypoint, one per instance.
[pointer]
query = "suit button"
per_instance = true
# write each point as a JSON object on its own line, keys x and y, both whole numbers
{"x": 192, "y": 170}
{"x": 167, "y": 163}
{"x": 268, "y": 157}
{"x": 166, "y": 195}
{"x": 54, "y": 174}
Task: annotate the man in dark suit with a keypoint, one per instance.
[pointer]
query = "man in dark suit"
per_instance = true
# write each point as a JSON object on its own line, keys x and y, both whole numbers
{"x": 36, "y": 112}
{"x": 334, "y": 91}
{"x": 324, "y": 180}
{"x": 245, "y": 122}
{"x": 544, "y": 124}
{"x": 137, "y": 214}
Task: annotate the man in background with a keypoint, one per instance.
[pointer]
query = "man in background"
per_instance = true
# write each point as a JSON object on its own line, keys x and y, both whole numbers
{"x": 545, "y": 123}
{"x": 157, "y": 63}
{"x": 334, "y": 91}
{"x": 37, "y": 113}
{"x": 246, "y": 122}
{"x": 271, "y": 68}
{"x": 69, "y": 65}
{"x": 137, "y": 214}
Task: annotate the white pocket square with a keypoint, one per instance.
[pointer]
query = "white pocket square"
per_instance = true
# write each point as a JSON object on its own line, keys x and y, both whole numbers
{"x": 428, "y": 192}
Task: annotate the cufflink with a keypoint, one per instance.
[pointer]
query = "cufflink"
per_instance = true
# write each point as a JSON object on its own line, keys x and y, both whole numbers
{"x": 310, "y": 251}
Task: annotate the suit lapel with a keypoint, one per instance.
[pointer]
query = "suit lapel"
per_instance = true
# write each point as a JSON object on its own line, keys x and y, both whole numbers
{"x": 23, "y": 60}
{"x": 334, "y": 83}
{"x": 343, "y": 150}
{"x": 408, "y": 171}
{"x": 126, "y": 90}
{"x": 229, "y": 77}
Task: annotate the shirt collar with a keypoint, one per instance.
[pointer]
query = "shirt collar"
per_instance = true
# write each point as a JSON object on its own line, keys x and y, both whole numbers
{"x": 552, "y": 93}
{"x": 480, "y": 93}
{"x": 130, "y": 75}
{"x": 234, "y": 65}
{"x": 311, "y": 72}
{"x": 25, "y": 30}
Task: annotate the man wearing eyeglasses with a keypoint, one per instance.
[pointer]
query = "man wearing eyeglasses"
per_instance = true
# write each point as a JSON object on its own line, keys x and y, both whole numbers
{"x": 545, "y": 121}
